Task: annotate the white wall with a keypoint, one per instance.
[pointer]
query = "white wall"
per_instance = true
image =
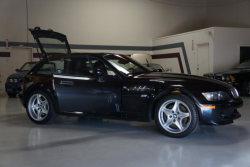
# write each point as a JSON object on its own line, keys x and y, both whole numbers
{"x": 231, "y": 15}
{"x": 224, "y": 48}
{"x": 13, "y": 20}
{"x": 227, "y": 42}
{"x": 96, "y": 22}
{"x": 198, "y": 37}
{"x": 109, "y": 22}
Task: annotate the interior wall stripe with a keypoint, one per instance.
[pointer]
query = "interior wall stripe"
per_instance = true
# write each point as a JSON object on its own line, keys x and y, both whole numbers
{"x": 170, "y": 55}
{"x": 76, "y": 46}
{"x": 37, "y": 55}
{"x": 172, "y": 46}
{"x": 4, "y": 54}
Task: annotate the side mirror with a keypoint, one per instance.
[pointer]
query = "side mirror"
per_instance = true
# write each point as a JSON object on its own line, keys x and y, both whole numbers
{"x": 99, "y": 73}
{"x": 17, "y": 70}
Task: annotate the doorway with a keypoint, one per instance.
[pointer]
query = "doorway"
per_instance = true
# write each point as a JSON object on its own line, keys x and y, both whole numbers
{"x": 202, "y": 59}
{"x": 244, "y": 53}
{"x": 19, "y": 56}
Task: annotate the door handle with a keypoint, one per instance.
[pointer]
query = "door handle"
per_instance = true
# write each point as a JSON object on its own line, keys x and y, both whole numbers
{"x": 68, "y": 83}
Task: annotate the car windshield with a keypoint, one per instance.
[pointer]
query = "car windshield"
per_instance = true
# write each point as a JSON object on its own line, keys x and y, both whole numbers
{"x": 27, "y": 66}
{"x": 244, "y": 65}
{"x": 52, "y": 45}
{"x": 126, "y": 65}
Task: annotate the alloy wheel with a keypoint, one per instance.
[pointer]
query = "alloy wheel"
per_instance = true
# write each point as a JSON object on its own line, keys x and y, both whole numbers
{"x": 38, "y": 107}
{"x": 248, "y": 88}
{"x": 175, "y": 116}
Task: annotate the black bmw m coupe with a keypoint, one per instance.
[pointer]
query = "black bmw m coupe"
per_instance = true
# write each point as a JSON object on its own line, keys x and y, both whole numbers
{"x": 114, "y": 86}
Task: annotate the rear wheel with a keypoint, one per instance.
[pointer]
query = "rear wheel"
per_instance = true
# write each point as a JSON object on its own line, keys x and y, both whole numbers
{"x": 11, "y": 94}
{"x": 176, "y": 116}
{"x": 40, "y": 108}
{"x": 247, "y": 88}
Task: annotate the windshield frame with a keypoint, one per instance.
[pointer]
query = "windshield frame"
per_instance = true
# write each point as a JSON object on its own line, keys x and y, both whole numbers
{"x": 146, "y": 69}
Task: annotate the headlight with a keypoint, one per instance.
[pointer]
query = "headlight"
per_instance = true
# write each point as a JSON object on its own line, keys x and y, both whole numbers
{"x": 15, "y": 80}
{"x": 216, "y": 96}
{"x": 11, "y": 80}
{"x": 228, "y": 78}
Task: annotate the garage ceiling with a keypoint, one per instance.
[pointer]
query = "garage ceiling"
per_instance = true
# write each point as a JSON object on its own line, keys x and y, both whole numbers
{"x": 198, "y": 3}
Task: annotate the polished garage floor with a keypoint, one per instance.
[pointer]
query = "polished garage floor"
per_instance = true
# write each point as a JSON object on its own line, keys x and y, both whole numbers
{"x": 106, "y": 143}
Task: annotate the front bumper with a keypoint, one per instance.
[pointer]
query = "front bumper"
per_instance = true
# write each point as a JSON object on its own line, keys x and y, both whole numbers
{"x": 13, "y": 87}
{"x": 223, "y": 113}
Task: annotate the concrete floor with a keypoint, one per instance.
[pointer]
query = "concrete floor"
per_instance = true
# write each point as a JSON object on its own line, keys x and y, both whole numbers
{"x": 105, "y": 143}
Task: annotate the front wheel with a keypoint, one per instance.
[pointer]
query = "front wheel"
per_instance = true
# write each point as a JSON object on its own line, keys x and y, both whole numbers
{"x": 40, "y": 108}
{"x": 176, "y": 116}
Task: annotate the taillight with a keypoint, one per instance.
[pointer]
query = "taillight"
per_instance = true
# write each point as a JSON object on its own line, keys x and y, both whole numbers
{"x": 23, "y": 85}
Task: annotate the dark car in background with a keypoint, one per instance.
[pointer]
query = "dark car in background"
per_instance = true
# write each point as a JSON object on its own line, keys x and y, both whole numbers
{"x": 14, "y": 81}
{"x": 115, "y": 86}
{"x": 239, "y": 77}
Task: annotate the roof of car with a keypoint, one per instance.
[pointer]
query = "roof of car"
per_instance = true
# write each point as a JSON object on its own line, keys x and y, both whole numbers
{"x": 54, "y": 55}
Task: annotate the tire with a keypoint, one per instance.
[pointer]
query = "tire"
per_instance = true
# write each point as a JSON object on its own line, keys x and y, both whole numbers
{"x": 174, "y": 122}
{"x": 43, "y": 113}
{"x": 11, "y": 95}
{"x": 246, "y": 88}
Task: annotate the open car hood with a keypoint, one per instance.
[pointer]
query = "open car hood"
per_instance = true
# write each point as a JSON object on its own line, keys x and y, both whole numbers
{"x": 50, "y": 41}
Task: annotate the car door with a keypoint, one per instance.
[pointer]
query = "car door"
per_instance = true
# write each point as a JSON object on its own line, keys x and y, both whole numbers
{"x": 79, "y": 90}
{"x": 77, "y": 87}
{"x": 107, "y": 89}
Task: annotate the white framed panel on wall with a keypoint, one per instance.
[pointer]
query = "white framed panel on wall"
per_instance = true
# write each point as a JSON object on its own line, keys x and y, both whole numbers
{"x": 19, "y": 56}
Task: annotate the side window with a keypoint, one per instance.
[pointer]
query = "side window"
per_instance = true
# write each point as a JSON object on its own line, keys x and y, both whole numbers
{"x": 78, "y": 65}
{"x": 97, "y": 64}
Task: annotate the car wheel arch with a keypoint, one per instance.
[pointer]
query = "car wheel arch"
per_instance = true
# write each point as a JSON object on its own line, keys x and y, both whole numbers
{"x": 163, "y": 95}
{"x": 48, "y": 92}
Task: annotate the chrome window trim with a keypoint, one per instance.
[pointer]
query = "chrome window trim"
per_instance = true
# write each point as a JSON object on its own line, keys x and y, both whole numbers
{"x": 72, "y": 77}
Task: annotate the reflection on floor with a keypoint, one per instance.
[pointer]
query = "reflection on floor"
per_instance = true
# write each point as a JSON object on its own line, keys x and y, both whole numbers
{"x": 108, "y": 143}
